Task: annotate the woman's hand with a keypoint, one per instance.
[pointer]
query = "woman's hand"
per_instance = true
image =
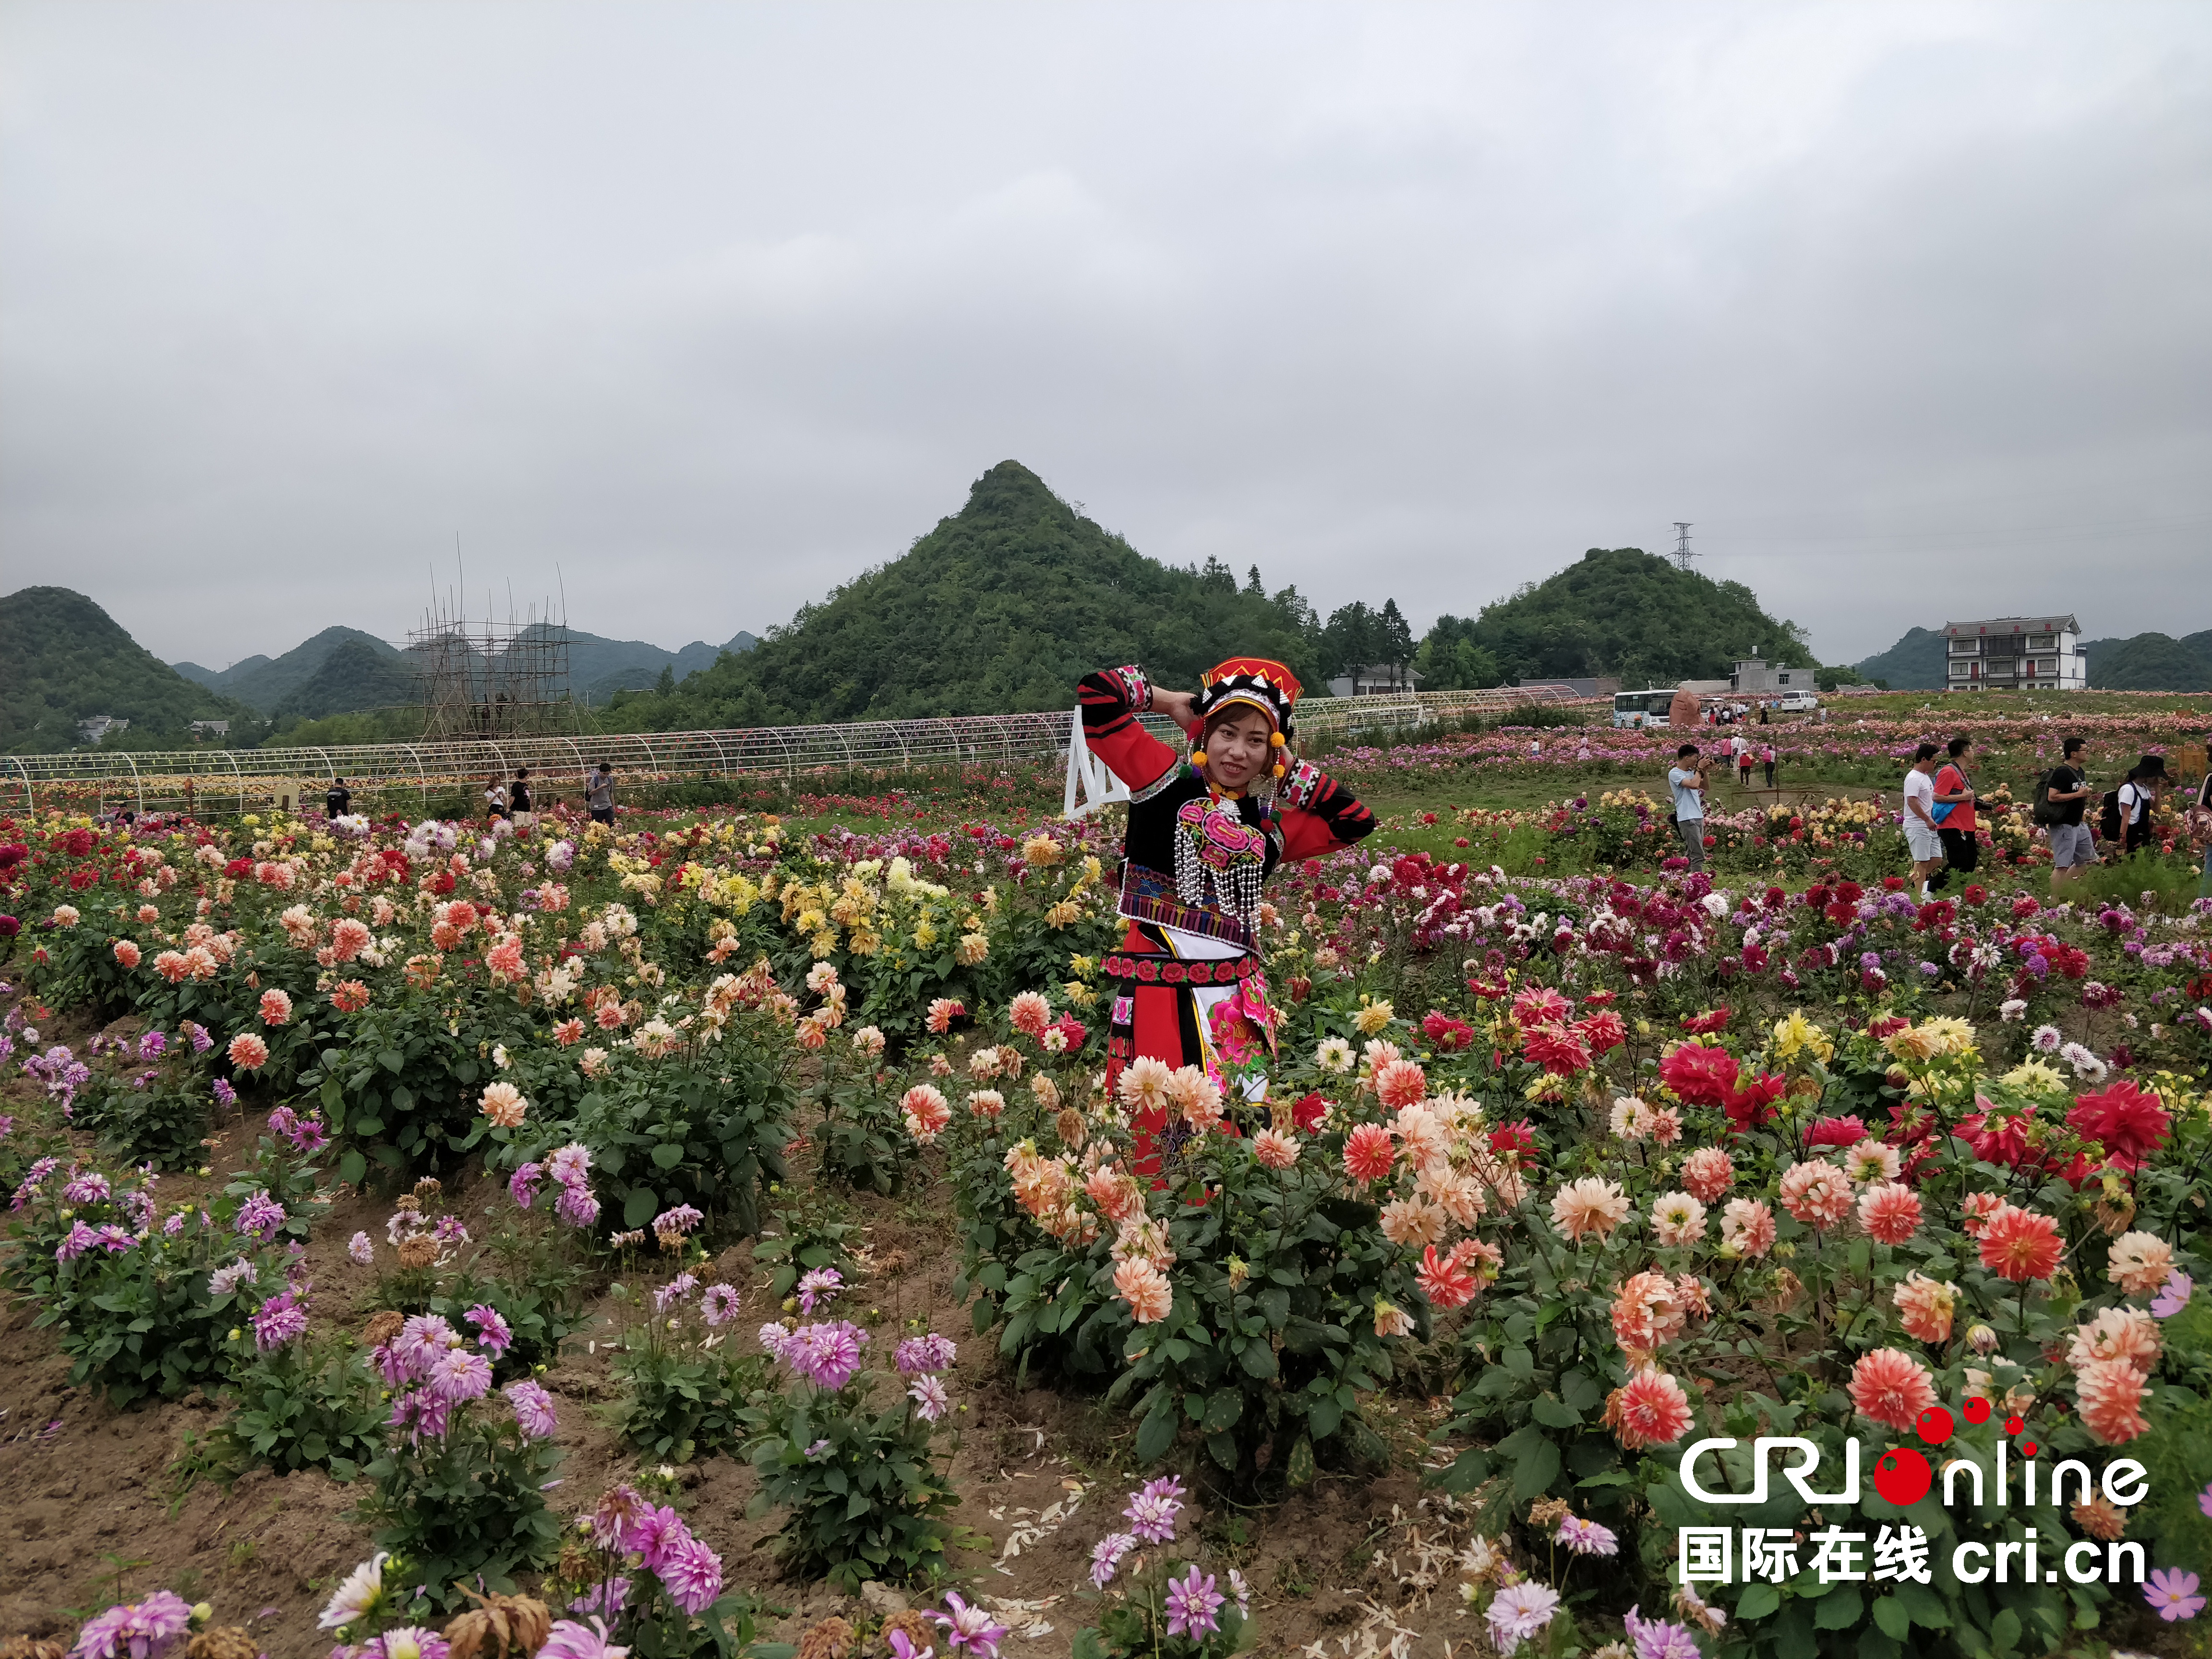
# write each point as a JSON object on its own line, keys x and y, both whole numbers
{"x": 1176, "y": 705}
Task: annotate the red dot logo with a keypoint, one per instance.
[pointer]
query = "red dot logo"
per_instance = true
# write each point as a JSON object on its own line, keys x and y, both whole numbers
{"x": 2027, "y": 1449}
{"x": 2014, "y": 1425}
{"x": 1935, "y": 1425}
{"x": 1902, "y": 1476}
{"x": 1977, "y": 1410}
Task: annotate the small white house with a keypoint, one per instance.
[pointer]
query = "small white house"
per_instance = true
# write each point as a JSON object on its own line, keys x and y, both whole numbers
{"x": 1755, "y": 677}
{"x": 2029, "y": 653}
{"x": 210, "y": 728}
{"x": 93, "y": 727}
{"x": 1387, "y": 680}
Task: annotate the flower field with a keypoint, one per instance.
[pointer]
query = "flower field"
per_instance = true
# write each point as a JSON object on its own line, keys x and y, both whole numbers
{"x": 713, "y": 1234}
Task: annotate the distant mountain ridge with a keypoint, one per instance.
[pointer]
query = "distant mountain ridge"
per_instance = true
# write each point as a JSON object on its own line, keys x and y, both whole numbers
{"x": 67, "y": 659}
{"x": 2141, "y": 662}
{"x": 597, "y": 667}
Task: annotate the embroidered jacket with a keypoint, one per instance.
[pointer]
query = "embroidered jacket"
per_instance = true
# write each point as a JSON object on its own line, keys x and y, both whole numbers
{"x": 1174, "y": 827}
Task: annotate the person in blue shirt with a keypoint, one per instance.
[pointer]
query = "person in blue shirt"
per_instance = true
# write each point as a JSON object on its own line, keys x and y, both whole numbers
{"x": 1686, "y": 778}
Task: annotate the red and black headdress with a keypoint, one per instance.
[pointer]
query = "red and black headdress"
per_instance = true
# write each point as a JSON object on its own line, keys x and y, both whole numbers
{"x": 1256, "y": 682}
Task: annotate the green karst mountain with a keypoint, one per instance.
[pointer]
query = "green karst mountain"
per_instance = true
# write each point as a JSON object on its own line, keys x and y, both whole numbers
{"x": 1003, "y": 606}
{"x": 1915, "y": 663}
{"x": 353, "y": 677}
{"x": 2152, "y": 662}
{"x": 1616, "y": 610}
{"x": 62, "y": 659}
{"x": 264, "y": 683}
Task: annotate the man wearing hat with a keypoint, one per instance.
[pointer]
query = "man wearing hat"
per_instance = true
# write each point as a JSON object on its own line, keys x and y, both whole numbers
{"x": 2139, "y": 799}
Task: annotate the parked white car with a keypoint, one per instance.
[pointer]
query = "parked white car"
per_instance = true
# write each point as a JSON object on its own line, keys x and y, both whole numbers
{"x": 1798, "y": 702}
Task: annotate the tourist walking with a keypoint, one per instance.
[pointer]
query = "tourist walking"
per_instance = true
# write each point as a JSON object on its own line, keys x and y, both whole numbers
{"x": 1954, "y": 813}
{"x": 495, "y": 799}
{"x": 2138, "y": 802}
{"x": 1204, "y": 835}
{"x": 337, "y": 801}
{"x": 518, "y": 799}
{"x": 2065, "y": 796}
{"x": 599, "y": 794}
{"x": 1769, "y": 765}
{"x": 1921, "y": 839}
{"x": 1686, "y": 778}
{"x": 1742, "y": 761}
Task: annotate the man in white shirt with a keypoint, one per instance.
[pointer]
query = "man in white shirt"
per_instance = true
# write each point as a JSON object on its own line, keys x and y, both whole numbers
{"x": 1921, "y": 838}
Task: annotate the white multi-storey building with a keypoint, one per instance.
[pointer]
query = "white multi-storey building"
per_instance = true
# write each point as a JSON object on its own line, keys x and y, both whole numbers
{"x": 2027, "y": 652}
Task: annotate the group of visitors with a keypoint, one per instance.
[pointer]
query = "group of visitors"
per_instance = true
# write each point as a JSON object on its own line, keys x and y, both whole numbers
{"x": 511, "y": 801}
{"x": 1940, "y": 826}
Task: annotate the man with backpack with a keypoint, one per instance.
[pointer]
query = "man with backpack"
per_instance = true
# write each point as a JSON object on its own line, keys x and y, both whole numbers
{"x": 2060, "y": 801}
{"x": 2128, "y": 809}
{"x": 1954, "y": 813}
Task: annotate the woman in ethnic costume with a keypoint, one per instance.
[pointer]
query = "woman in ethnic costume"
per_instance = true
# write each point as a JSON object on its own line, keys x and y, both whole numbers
{"x": 1204, "y": 835}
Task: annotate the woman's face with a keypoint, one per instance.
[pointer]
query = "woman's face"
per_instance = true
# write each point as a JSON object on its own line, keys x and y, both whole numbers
{"x": 1237, "y": 748}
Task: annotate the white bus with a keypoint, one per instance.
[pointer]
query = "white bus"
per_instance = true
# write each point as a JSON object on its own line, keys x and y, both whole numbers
{"x": 1642, "y": 707}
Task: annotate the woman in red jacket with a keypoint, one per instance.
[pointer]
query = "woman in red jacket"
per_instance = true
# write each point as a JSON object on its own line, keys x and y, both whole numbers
{"x": 1204, "y": 835}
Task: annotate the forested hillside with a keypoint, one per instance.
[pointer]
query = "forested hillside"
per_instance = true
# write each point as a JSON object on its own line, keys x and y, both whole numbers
{"x": 65, "y": 659}
{"x": 1618, "y": 610}
{"x": 1003, "y": 606}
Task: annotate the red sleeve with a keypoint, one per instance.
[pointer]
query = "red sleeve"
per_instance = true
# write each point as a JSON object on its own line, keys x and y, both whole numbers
{"x": 1319, "y": 814}
{"x": 1111, "y": 700}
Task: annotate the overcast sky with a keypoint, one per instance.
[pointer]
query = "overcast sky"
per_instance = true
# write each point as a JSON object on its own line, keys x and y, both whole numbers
{"x": 714, "y": 305}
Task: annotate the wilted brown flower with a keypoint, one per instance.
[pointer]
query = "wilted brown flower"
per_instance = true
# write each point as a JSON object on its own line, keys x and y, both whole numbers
{"x": 1069, "y": 1123}
{"x": 919, "y": 1630}
{"x": 827, "y": 1640}
{"x": 382, "y": 1327}
{"x": 1788, "y": 1287}
{"x": 498, "y": 1626}
{"x": 1548, "y": 1512}
{"x": 428, "y": 1186}
{"x": 222, "y": 1642}
{"x": 33, "y": 1647}
{"x": 418, "y": 1250}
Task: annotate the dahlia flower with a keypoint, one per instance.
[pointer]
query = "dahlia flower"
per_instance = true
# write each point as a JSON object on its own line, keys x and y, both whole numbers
{"x": 1925, "y": 1307}
{"x": 1369, "y": 1153}
{"x": 1649, "y": 1410}
{"x": 1748, "y": 1227}
{"x": 1144, "y": 1288}
{"x": 1591, "y": 1205}
{"x": 1889, "y": 1213}
{"x": 1891, "y": 1386}
{"x": 2020, "y": 1244}
{"x": 1518, "y": 1612}
{"x": 2123, "y": 1333}
{"x": 1678, "y": 1219}
{"x": 1708, "y": 1173}
{"x": 1816, "y": 1193}
{"x": 2140, "y": 1263}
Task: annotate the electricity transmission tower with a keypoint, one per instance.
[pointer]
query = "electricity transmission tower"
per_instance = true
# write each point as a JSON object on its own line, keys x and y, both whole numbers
{"x": 1682, "y": 554}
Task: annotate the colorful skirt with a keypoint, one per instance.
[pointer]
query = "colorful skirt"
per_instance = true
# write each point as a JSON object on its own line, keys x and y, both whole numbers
{"x": 1185, "y": 999}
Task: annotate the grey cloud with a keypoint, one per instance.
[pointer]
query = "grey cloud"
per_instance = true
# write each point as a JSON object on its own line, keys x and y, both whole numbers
{"x": 714, "y": 307}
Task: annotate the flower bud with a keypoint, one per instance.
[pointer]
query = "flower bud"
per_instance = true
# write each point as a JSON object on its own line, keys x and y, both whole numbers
{"x": 1982, "y": 1340}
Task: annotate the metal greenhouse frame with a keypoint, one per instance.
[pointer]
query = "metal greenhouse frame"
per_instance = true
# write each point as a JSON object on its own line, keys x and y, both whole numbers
{"x": 218, "y": 781}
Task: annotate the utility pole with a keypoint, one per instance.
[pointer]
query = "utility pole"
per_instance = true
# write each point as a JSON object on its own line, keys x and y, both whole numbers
{"x": 1682, "y": 554}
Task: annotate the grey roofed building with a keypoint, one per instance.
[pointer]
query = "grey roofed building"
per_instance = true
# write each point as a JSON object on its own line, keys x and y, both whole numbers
{"x": 2016, "y": 653}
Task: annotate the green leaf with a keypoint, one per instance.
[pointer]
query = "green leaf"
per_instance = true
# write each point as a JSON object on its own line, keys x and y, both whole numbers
{"x": 667, "y": 1155}
{"x": 1553, "y": 1413}
{"x": 1839, "y": 1610}
{"x": 1758, "y": 1601}
{"x": 1533, "y": 1474}
{"x": 1926, "y": 1607}
{"x": 1258, "y": 1360}
{"x": 367, "y": 1126}
{"x": 1155, "y": 1436}
{"x": 1889, "y": 1613}
{"x": 392, "y": 1060}
{"x": 1323, "y": 1418}
{"x": 352, "y": 1166}
{"x": 1225, "y": 1407}
{"x": 1223, "y": 1449}
{"x": 1302, "y": 1462}
{"x": 640, "y": 1207}
{"x": 2004, "y": 1630}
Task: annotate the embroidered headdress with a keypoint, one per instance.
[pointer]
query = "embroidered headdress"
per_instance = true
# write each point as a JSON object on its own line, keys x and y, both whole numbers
{"x": 1256, "y": 682}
